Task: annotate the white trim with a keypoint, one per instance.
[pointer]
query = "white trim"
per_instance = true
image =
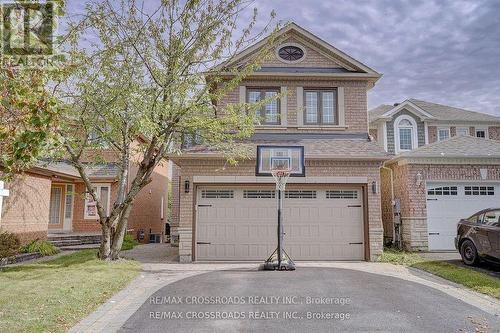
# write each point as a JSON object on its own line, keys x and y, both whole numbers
{"x": 3, "y": 193}
{"x": 98, "y": 186}
{"x": 67, "y": 222}
{"x": 243, "y": 95}
{"x": 270, "y": 180}
{"x": 414, "y": 134}
{"x": 385, "y": 136}
{"x": 447, "y": 160}
{"x": 405, "y": 104}
{"x": 277, "y": 50}
{"x": 443, "y": 129}
{"x": 341, "y": 106}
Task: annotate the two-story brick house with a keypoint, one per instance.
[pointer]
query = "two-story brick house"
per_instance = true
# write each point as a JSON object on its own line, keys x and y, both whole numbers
{"x": 446, "y": 166}
{"x": 333, "y": 212}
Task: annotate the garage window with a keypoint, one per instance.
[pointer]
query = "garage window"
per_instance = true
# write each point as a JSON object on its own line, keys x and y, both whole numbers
{"x": 479, "y": 190}
{"x": 259, "y": 194}
{"x": 217, "y": 194}
{"x": 300, "y": 194}
{"x": 444, "y": 190}
{"x": 342, "y": 194}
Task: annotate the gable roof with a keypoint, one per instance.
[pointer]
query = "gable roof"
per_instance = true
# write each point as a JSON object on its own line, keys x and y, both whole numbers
{"x": 353, "y": 65}
{"x": 429, "y": 110}
{"x": 456, "y": 147}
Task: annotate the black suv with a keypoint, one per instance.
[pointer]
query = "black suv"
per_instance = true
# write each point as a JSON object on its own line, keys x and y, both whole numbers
{"x": 478, "y": 237}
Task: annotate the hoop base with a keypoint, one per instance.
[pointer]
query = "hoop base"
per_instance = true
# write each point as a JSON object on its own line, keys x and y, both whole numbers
{"x": 272, "y": 264}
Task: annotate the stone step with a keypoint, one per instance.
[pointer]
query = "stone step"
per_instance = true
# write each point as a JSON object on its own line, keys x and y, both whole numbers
{"x": 73, "y": 240}
{"x": 79, "y": 247}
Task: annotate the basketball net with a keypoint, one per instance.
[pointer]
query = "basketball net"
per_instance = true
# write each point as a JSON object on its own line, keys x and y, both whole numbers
{"x": 281, "y": 177}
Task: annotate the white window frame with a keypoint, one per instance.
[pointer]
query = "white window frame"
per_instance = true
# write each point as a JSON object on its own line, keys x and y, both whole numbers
{"x": 466, "y": 129}
{"x": 485, "y": 129}
{"x": 87, "y": 201}
{"x": 414, "y": 134}
{"x": 447, "y": 129}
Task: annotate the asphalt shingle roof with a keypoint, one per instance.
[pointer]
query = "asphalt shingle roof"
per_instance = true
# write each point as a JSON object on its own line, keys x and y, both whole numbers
{"x": 95, "y": 170}
{"x": 438, "y": 111}
{"x": 458, "y": 147}
{"x": 327, "y": 147}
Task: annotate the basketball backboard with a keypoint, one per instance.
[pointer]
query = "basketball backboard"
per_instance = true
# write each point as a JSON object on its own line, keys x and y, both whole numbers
{"x": 283, "y": 157}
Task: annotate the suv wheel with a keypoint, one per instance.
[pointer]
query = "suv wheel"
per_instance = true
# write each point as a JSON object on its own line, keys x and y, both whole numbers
{"x": 468, "y": 252}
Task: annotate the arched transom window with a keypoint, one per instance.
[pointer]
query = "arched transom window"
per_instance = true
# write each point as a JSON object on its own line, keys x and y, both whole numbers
{"x": 405, "y": 133}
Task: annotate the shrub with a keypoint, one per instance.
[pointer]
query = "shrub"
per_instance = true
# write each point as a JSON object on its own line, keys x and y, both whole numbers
{"x": 129, "y": 242}
{"x": 45, "y": 248}
{"x": 9, "y": 244}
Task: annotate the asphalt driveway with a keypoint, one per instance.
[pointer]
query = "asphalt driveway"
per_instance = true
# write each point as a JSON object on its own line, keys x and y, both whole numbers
{"x": 312, "y": 299}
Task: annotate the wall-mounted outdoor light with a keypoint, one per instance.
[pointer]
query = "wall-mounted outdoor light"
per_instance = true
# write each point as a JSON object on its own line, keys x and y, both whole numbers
{"x": 374, "y": 187}
{"x": 186, "y": 186}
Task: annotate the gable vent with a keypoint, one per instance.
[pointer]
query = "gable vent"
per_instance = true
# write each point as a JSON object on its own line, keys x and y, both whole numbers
{"x": 217, "y": 194}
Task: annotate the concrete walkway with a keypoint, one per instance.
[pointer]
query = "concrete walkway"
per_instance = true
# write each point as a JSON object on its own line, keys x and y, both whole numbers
{"x": 111, "y": 316}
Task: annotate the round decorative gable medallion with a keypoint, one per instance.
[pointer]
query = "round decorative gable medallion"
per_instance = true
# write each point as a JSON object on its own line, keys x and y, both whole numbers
{"x": 291, "y": 53}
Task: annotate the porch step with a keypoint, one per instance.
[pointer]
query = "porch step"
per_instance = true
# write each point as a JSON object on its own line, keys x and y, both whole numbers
{"x": 65, "y": 240}
{"x": 79, "y": 247}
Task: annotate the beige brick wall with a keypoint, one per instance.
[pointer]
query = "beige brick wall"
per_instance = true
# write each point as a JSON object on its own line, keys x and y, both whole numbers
{"x": 355, "y": 101}
{"x": 413, "y": 197}
{"x": 494, "y": 132}
{"x": 25, "y": 211}
{"x": 192, "y": 168}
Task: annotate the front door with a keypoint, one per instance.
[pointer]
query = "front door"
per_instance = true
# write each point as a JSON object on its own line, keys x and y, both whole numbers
{"x": 56, "y": 207}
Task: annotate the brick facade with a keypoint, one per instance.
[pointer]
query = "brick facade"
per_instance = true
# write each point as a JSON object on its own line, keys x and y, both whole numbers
{"x": 413, "y": 196}
{"x": 197, "y": 167}
{"x": 25, "y": 211}
{"x": 494, "y": 132}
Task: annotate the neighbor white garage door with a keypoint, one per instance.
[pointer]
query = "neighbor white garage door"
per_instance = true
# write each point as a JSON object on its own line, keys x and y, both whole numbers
{"x": 241, "y": 223}
{"x": 447, "y": 203}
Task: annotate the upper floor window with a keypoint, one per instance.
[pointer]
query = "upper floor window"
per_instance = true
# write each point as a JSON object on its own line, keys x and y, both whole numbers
{"x": 443, "y": 134}
{"x": 320, "y": 107}
{"x": 405, "y": 132}
{"x": 269, "y": 114}
{"x": 480, "y": 132}
{"x": 462, "y": 131}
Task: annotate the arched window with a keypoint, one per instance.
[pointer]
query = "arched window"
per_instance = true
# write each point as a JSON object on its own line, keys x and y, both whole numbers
{"x": 405, "y": 133}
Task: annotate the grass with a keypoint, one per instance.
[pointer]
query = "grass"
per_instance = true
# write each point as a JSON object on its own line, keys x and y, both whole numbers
{"x": 467, "y": 277}
{"x": 54, "y": 295}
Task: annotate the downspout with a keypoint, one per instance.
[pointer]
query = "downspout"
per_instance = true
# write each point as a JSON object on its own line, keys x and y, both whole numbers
{"x": 392, "y": 195}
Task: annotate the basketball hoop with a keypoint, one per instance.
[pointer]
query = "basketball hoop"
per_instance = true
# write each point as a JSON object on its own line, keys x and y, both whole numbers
{"x": 281, "y": 176}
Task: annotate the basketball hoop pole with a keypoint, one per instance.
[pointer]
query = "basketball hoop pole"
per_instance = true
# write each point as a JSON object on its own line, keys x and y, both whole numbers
{"x": 280, "y": 260}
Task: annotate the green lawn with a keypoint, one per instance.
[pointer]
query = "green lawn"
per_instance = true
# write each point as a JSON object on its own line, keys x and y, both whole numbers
{"x": 54, "y": 295}
{"x": 467, "y": 277}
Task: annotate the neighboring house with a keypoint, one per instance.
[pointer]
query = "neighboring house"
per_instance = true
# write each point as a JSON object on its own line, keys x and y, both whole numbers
{"x": 446, "y": 168}
{"x": 51, "y": 198}
{"x": 415, "y": 123}
{"x": 333, "y": 213}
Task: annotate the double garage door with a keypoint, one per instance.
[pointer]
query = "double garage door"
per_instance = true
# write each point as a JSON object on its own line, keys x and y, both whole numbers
{"x": 447, "y": 203}
{"x": 240, "y": 223}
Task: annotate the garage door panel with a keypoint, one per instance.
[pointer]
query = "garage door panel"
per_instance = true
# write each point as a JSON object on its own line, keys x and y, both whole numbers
{"x": 244, "y": 228}
{"x": 447, "y": 203}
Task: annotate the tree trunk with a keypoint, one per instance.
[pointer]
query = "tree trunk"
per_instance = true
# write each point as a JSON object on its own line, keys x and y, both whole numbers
{"x": 121, "y": 228}
{"x": 105, "y": 248}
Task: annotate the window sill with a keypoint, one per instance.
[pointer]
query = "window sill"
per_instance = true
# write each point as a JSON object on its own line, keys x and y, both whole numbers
{"x": 283, "y": 127}
{"x": 329, "y": 127}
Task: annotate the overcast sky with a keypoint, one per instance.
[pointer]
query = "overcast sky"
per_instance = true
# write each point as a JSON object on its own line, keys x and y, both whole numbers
{"x": 443, "y": 51}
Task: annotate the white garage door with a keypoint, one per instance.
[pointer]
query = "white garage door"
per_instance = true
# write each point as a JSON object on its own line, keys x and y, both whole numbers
{"x": 447, "y": 203}
{"x": 241, "y": 223}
